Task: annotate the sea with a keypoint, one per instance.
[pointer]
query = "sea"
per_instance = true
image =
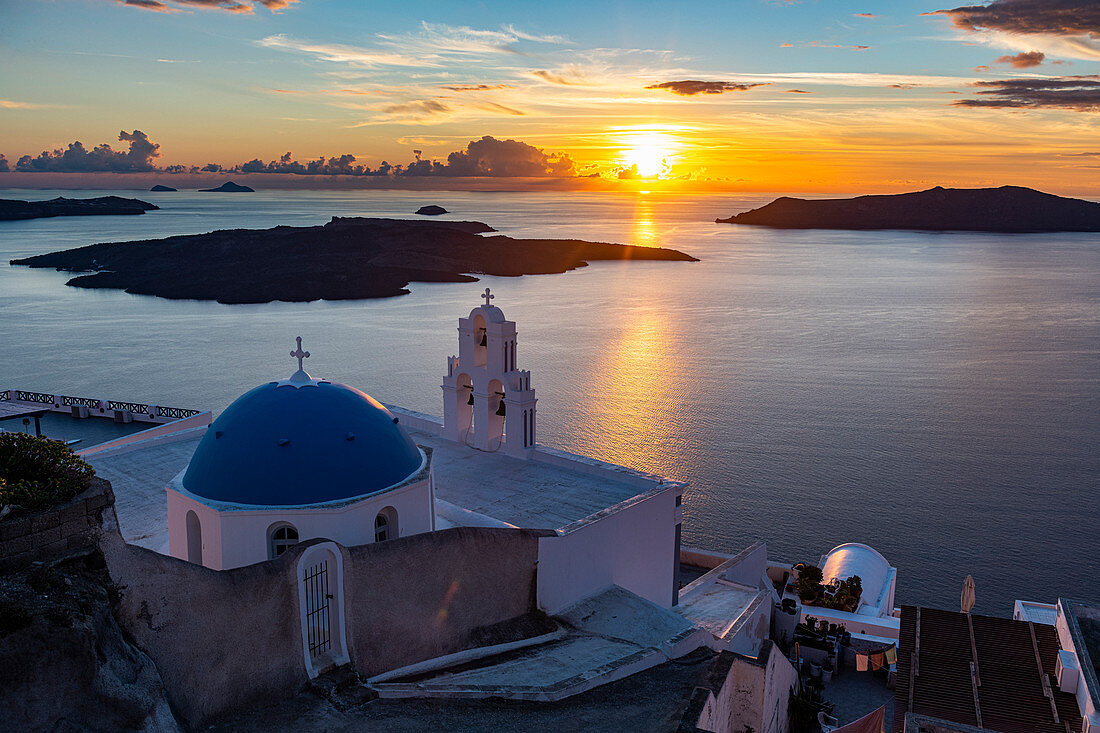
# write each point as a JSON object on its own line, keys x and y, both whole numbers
{"x": 933, "y": 395}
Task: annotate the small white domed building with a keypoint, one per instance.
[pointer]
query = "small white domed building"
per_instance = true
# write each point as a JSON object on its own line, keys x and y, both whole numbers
{"x": 293, "y": 460}
{"x": 879, "y": 579}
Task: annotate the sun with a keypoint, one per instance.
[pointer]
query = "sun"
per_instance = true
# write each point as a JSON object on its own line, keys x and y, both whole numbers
{"x": 650, "y": 152}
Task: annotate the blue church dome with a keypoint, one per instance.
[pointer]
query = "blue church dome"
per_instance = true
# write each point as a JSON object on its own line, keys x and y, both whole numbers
{"x": 300, "y": 441}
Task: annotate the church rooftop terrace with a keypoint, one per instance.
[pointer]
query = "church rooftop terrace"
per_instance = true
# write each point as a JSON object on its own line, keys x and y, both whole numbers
{"x": 554, "y": 490}
{"x": 531, "y": 493}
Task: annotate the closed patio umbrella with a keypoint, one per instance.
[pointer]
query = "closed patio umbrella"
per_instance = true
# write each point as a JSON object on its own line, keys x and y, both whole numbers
{"x": 967, "y": 599}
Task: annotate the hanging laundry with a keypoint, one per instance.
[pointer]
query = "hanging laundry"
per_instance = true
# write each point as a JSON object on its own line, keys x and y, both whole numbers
{"x": 861, "y": 662}
{"x": 878, "y": 660}
{"x": 891, "y": 654}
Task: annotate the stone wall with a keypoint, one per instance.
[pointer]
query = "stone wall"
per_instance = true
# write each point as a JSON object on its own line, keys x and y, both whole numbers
{"x": 26, "y": 537}
{"x": 222, "y": 640}
{"x": 421, "y": 596}
{"x": 232, "y": 639}
{"x": 743, "y": 693}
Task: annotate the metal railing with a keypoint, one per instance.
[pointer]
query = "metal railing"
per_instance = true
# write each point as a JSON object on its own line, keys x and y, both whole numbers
{"x": 39, "y": 397}
{"x": 176, "y": 413}
{"x": 62, "y": 403}
{"x": 128, "y": 406}
{"x": 78, "y": 401}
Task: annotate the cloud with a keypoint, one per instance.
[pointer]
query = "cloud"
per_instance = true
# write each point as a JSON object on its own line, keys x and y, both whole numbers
{"x": 903, "y": 86}
{"x": 1030, "y": 17}
{"x": 865, "y": 15}
{"x": 505, "y": 158}
{"x": 434, "y": 45}
{"x": 797, "y": 91}
{"x": 494, "y": 107}
{"x": 569, "y": 78}
{"x": 76, "y": 158}
{"x": 416, "y": 110}
{"x": 245, "y": 7}
{"x": 1078, "y": 93}
{"x": 487, "y": 157}
{"x": 4, "y": 164}
{"x": 348, "y": 55}
{"x": 477, "y": 87}
{"x": 1023, "y": 60}
{"x": 689, "y": 87}
{"x": 11, "y": 104}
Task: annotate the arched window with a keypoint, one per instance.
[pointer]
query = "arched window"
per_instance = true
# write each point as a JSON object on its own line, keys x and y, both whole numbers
{"x": 385, "y": 525}
{"x": 280, "y": 538}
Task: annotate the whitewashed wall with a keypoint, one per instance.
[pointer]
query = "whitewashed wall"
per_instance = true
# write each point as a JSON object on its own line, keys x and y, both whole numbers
{"x": 632, "y": 545}
{"x": 232, "y": 539}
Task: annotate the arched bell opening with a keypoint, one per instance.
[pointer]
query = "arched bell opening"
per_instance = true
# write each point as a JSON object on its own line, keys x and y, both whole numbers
{"x": 481, "y": 340}
{"x": 497, "y": 411}
{"x": 464, "y": 414}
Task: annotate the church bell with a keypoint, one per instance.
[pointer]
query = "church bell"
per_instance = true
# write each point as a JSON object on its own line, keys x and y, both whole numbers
{"x": 483, "y": 341}
{"x": 471, "y": 400}
{"x": 500, "y": 409}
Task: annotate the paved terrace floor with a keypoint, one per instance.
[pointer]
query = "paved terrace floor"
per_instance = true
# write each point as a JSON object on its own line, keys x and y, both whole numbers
{"x": 138, "y": 478}
{"x": 525, "y": 493}
{"x": 611, "y": 635}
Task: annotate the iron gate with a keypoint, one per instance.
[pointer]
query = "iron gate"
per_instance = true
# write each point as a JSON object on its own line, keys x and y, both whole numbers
{"x": 318, "y": 632}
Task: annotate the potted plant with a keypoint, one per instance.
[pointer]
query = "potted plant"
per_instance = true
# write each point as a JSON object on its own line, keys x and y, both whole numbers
{"x": 827, "y": 670}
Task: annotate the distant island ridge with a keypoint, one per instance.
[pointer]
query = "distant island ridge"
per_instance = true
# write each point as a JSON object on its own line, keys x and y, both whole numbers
{"x": 346, "y": 259}
{"x": 11, "y": 209}
{"x": 1004, "y": 209}
{"x": 431, "y": 210}
{"x": 229, "y": 187}
{"x": 160, "y": 187}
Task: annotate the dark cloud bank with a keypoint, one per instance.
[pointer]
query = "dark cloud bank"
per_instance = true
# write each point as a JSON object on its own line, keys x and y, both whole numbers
{"x": 487, "y": 157}
{"x": 233, "y": 6}
{"x": 691, "y": 87}
{"x": 1056, "y": 17}
{"x": 1079, "y": 93}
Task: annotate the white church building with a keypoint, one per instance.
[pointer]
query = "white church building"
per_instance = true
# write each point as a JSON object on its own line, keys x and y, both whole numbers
{"x": 397, "y": 536}
{"x": 302, "y": 458}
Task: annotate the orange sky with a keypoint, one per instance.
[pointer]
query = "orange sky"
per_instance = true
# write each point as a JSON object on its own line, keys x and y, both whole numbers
{"x": 787, "y": 97}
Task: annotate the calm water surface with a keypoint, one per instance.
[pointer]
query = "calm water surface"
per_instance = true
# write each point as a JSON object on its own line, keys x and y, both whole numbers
{"x": 936, "y": 396}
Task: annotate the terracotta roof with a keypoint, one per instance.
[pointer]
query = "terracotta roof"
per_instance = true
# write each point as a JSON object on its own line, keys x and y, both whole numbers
{"x": 1012, "y": 688}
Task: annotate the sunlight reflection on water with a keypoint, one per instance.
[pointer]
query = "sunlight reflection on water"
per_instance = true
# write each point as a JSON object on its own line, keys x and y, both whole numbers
{"x": 894, "y": 388}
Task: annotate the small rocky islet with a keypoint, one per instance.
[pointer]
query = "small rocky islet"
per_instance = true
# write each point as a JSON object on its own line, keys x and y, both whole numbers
{"x": 345, "y": 259}
{"x": 1004, "y": 209}
{"x": 11, "y": 209}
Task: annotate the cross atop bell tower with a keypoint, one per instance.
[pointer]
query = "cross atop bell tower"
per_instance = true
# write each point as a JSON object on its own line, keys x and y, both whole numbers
{"x": 488, "y": 403}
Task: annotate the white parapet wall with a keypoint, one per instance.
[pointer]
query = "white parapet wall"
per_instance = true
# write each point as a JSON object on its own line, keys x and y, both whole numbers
{"x": 631, "y": 545}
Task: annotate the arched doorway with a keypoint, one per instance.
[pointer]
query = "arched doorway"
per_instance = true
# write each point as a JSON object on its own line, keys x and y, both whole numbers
{"x": 321, "y": 607}
{"x": 194, "y": 538}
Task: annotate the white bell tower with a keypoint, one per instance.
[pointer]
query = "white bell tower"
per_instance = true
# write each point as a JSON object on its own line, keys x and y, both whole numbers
{"x": 488, "y": 404}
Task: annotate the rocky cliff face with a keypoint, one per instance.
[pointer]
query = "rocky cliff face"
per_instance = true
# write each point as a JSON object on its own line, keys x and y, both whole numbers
{"x": 65, "y": 665}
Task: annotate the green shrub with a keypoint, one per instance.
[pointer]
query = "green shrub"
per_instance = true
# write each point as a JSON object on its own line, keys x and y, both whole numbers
{"x": 37, "y": 472}
{"x": 842, "y": 595}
